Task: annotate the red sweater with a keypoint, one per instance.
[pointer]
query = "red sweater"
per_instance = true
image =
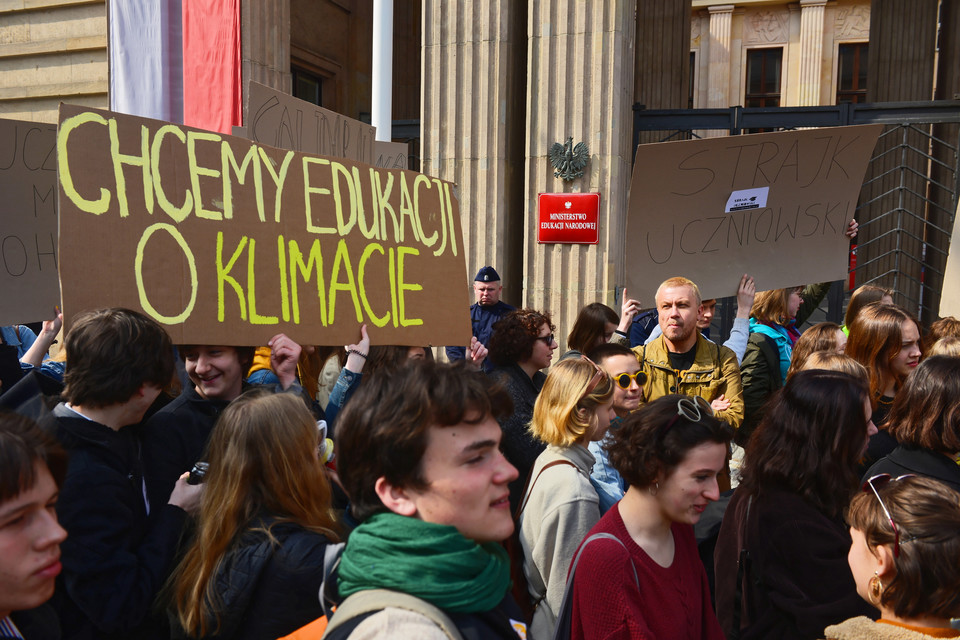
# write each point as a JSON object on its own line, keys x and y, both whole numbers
{"x": 671, "y": 602}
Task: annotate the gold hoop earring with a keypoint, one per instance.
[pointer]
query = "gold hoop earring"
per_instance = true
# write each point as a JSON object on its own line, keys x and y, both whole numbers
{"x": 876, "y": 588}
{"x": 654, "y": 489}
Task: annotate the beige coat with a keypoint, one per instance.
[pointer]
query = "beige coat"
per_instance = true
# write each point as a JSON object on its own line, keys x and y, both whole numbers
{"x": 562, "y": 508}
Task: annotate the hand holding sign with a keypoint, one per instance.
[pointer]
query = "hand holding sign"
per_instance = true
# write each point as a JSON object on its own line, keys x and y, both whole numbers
{"x": 284, "y": 355}
{"x": 746, "y": 293}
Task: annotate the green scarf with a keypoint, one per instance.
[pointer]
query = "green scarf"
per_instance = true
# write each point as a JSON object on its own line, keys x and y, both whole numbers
{"x": 430, "y": 561}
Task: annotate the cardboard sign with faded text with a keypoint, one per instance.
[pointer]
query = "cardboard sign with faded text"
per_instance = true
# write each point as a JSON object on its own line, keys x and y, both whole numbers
{"x": 225, "y": 241}
{"x": 279, "y": 120}
{"x": 774, "y": 205}
{"x": 950, "y": 296}
{"x": 29, "y": 287}
{"x": 391, "y": 155}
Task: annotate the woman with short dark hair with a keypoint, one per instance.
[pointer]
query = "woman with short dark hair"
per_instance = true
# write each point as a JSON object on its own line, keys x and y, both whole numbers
{"x": 904, "y": 558}
{"x": 784, "y": 522}
{"x": 652, "y": 583}
{"x": 522, "y": 345}
{"x": 925, "y": 420}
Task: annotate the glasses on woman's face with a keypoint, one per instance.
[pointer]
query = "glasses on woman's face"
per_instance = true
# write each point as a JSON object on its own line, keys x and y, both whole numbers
{"x": 880, "y": 480}
{"x": 692, "y": 408}
{"x": 547, "y": 339}
{"x": 623, "y": 380}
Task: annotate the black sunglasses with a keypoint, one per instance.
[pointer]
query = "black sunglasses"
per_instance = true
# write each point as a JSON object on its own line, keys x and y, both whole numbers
{"x": 548, "y": 339}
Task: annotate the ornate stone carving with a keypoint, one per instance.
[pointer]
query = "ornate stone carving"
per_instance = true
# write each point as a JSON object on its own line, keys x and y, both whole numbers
{"x": 852, "y": 22}
{"x": 765, "y": 27}
{"x": 695, "y": 32}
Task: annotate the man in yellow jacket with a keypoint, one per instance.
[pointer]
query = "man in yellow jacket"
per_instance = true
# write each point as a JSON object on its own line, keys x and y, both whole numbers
{"x": 682, "y": 361}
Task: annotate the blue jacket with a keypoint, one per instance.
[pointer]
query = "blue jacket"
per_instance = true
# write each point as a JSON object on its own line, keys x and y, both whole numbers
{"x": 23, "y": 342}
{"x": 482, "y": 318}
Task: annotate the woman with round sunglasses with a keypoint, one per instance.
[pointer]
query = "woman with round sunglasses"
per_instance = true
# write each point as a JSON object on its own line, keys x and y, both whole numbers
{"x": 521, "y": 346}
{"x": 650, "y": 582}
{"x": 781, "y": 569}
{"x": 559, "y": 502}
{"x": 621, "y": 364}
{"x": 904, "y": 559}
{"x": 925, "y": 420}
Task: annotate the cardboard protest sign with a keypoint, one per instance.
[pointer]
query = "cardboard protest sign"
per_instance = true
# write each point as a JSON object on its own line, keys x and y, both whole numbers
{"x": 774, "y": 205}
{"x": 950, "y": 297}
{"x": 279, "y": 120}
{"x": 29, "y": 287}
{"x": 390, "y": 155}
{"x": 225, "y": 241}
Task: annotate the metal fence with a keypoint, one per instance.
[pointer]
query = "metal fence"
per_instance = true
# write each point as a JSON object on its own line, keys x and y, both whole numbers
{"x": 907, "y": 201}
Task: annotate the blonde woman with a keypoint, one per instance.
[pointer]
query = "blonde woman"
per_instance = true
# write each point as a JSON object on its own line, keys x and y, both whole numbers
{"x": 255, "y": 566}
{"x": 560, "y": 505}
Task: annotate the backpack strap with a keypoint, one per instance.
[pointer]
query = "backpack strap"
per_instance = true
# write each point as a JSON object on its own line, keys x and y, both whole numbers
{"x": 565, "y": 614}
{"x": 374, "y": 600}
{"x": 529, "y": 488}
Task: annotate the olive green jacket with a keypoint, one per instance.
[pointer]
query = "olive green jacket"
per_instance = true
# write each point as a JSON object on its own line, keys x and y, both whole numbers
{"x": 715, "y": 372}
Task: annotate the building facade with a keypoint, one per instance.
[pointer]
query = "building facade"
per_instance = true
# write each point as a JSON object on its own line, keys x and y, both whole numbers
{"x": 485, "y": 87}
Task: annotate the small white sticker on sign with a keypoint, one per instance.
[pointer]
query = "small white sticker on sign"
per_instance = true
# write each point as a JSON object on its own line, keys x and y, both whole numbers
{"x": 747, "y": 199}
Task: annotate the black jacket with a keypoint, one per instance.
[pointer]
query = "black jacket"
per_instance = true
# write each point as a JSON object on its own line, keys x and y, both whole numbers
{"x": 797, "y": 580}
{"x": 519, "y": 447}
{"x": 269, "y": 589}
{"x": 760, "y": 375}
{"x": 175, "y": 438}
{"x": 922, "y": 462}
{"x": 482, "y": 318}
{"x": 36, "y": 624}
{"x": 114, "y": 561}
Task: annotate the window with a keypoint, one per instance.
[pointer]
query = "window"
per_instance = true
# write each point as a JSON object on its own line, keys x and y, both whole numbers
{"x": 852, "y": 73}
{"x": 307, "y": 86}
{"x": 763, "y": 77}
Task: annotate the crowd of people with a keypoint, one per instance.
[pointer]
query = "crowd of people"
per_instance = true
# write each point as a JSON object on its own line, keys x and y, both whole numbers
{"x": 653, "y": 482}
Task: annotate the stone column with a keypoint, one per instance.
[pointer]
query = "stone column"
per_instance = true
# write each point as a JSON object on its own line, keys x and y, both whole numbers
{"x": 265, "y": 45}
{"x": 580, "y": 78}
{"x": 718, "y": 87}
{"x": 472, "y": 113}
{"x": 811, "y": 51}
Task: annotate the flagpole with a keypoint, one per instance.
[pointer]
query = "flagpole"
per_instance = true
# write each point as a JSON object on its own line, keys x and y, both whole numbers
{"x": 382, "y": 72}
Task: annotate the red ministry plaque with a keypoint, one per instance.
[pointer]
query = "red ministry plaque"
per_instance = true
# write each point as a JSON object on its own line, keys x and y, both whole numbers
{"x": 569, "y": 218}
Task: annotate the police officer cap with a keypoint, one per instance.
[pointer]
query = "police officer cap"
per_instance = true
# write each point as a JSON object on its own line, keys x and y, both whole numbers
{"x": 487, "y": 274}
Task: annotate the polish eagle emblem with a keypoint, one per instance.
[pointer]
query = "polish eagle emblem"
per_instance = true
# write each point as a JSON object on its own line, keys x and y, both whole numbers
{"x": 569, "y": 159}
